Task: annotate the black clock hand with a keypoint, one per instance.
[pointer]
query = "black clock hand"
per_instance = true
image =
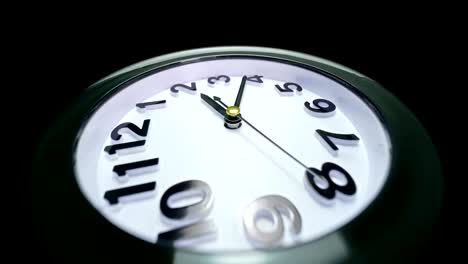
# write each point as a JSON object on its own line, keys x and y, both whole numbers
{"x": 240, "y": 92}
{"x": 274, "y": 143}
{"x": 213, "y": 104}
{"x": 231, "y": 114}
{"x": 231, "y": 118}
{"x": 217, "y": 99}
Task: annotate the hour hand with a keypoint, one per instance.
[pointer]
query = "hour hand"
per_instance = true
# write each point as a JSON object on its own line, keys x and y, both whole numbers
{"x": 217, "y": 99}
{"x": 221, "y": 110}
{"x": 231, "y": 114}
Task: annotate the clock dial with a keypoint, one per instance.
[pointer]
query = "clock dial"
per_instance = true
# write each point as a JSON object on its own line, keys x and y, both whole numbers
{"x": 156, "y": 159}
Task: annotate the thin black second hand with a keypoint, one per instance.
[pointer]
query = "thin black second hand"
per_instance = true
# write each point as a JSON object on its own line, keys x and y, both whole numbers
{"x": 265, "y": 136}
{"x": 278, "y": 146}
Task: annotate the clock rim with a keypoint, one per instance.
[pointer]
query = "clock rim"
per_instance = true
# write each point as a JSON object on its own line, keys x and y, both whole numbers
{"x": 368, "y": 246}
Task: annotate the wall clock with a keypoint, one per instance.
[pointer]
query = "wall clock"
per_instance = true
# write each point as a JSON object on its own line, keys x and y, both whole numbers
{"x": 237, "y": 155}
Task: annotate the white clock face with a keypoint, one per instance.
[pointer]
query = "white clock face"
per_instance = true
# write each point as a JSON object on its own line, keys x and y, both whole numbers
{"x": 157, "y": 161}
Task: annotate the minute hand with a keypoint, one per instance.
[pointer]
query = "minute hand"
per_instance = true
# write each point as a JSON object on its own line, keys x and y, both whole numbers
{"x": 241, "y": 91}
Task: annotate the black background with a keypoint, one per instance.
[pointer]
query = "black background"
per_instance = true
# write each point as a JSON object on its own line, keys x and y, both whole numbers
{"x": 409, "y": 59}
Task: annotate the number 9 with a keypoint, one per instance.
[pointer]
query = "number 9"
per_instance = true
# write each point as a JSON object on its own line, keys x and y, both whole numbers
{"x": 270, "y": 207}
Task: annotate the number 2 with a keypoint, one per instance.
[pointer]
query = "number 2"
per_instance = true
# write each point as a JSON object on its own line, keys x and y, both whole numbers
{"x": 124, "y": 127}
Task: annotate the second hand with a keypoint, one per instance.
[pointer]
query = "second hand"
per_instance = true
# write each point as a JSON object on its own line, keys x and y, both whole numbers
{"x": 265, "y": 136}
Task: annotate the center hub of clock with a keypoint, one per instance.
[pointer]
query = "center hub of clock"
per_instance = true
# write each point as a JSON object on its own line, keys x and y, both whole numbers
{"x": 233, "y": 111}
{"x": 232, "y": 118}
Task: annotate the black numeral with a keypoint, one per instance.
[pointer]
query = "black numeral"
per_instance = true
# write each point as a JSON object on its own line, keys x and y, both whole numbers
{"x": 113, "y": 196}
{"x": 137, "y": 167}
{"x": 288, "y": 87}
{"x": 112, "y": 149}
{"x": 192, "y": 87}
{"x": 194, "y": 212}
{"x": 323, "y": 107}
{"x": 224, "y": 78}
{"x": 332, "y": 188}
{"x": 255, "y": 78}
{"x": 342, "y": 139}
{"x": 141, "y": 107}
{"x": 190, "y": 188}
{"x": 130, "y": 127}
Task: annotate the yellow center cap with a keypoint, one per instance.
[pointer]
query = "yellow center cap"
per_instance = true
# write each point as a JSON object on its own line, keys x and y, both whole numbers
{"x": 233, "y": 111}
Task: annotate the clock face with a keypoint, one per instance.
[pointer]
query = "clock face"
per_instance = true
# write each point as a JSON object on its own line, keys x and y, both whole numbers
{"x": 165, "y": 161}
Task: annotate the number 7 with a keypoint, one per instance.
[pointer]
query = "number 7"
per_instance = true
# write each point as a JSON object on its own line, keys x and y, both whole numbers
{"x": 342, "y": 139}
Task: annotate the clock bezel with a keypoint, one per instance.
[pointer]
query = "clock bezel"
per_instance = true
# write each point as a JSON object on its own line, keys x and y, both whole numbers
{"x": 371, "y": 244}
